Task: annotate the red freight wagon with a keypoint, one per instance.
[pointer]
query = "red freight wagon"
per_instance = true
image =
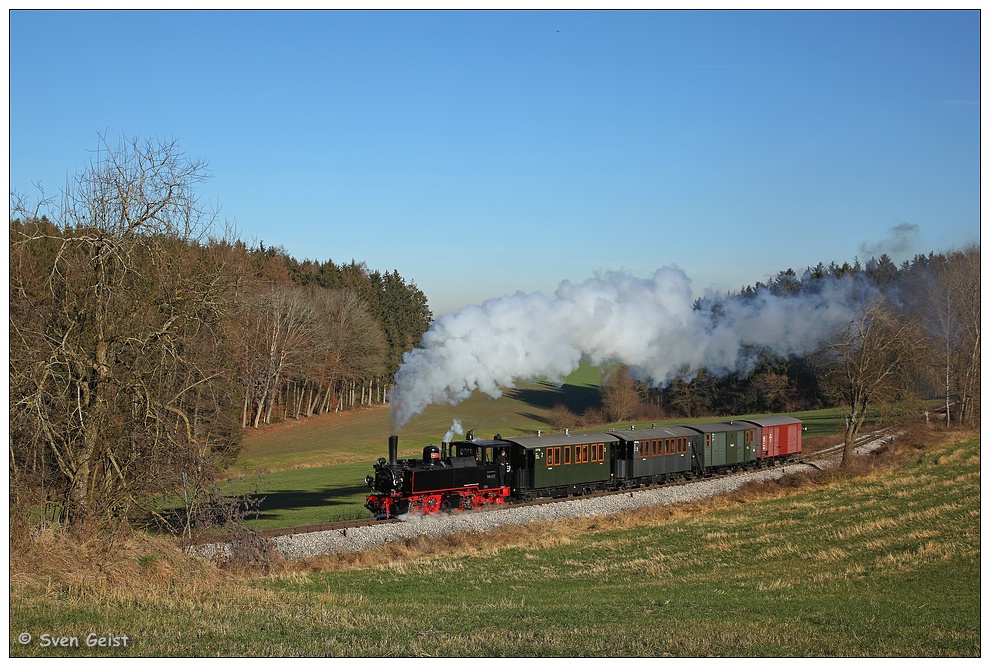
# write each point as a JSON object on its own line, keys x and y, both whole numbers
{"x": 778, "y": 437}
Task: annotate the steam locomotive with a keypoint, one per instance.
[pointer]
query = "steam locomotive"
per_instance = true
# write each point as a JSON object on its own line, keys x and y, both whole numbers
{"x": 474, "y": 473}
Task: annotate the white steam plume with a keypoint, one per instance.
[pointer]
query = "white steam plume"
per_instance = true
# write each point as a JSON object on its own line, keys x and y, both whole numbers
{"x": 647, "y": 324}
{"x": 455, "y": 429}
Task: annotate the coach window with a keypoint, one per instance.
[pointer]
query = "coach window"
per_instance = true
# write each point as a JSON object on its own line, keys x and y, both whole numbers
{"x": 584, "y": 454}
{"x": 567, "y": 456}
{"x": 682, "y": 445}
{"x": 708, "y": 440}
{"x": 749, "y": 437}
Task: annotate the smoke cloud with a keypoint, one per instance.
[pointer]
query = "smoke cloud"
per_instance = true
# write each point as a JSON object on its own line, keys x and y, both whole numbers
{"x": 650, "y": 325}
{"x": 900, "y": 239}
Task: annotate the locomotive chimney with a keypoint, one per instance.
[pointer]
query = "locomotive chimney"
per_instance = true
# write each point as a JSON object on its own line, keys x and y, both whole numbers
{"x": 393, "y": 449}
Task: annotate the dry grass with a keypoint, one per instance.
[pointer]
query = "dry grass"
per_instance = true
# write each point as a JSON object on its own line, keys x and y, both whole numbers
{"x": 86, "y": 564}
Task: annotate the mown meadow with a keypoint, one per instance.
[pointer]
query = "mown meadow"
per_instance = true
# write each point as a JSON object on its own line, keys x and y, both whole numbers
{"x": 882, "y": 563}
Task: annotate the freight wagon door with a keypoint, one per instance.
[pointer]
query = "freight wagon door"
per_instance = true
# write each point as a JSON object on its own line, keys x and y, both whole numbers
{"x": 749, "y": 453}
{"x": 794, "y": 439}
{"x": 732, "y": 448}
{"x": 770, "y": 441}
{"x": 716, "y": 449}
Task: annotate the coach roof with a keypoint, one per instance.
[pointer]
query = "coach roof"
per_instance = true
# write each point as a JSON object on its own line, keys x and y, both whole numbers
{"x": 654, "y": 433}
{"x": 559, "y": 439}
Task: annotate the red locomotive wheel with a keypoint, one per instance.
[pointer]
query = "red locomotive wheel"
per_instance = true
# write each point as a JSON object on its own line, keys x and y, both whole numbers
{"x": 432, "y": 504}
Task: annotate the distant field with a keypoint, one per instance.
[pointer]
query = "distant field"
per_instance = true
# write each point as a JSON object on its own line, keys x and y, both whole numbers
{"x": 315, "y": 468}
{"x": 363, "y": 434}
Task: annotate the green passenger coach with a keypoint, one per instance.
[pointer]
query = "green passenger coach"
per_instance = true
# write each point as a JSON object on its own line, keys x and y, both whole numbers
{"x": 563, "y": 464}
{"x": 657, "y": 455}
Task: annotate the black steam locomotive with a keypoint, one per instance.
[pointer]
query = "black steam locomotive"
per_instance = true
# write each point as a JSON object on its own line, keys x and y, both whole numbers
{"x": 474, "y": 473}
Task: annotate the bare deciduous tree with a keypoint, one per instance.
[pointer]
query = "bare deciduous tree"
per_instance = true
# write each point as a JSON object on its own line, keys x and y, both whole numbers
{"x": 950, "y": 308}
{"x": 301, "y": 344}
{"x": 114, "y": 303}
{"x": 620, "y": 397}
{"x": 869, "y": 363}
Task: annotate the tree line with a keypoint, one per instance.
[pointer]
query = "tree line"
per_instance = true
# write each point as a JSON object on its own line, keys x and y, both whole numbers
{"x": 144, "y": 336}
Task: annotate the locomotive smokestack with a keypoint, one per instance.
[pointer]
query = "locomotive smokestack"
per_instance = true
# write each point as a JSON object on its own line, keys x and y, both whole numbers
{"x": 393, "y": 449}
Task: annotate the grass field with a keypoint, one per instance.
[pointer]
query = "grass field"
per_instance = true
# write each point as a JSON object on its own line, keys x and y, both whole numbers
{"x": 883, "y": 564}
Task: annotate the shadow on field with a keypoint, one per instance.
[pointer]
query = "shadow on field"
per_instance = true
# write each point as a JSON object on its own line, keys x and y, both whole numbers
{"x": 545, "y": 395}
{"x": 292, "y": 499}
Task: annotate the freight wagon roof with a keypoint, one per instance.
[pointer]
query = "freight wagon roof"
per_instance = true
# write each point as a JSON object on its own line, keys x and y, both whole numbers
{"x": 773, "y": 421}
{"x": 654, "y": 433}
{"x": 558, "y": 439}
{"x": 725, "y": 427}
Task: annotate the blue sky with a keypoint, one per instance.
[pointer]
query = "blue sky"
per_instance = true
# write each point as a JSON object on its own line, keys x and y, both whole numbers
{"x": 484, "y": 153}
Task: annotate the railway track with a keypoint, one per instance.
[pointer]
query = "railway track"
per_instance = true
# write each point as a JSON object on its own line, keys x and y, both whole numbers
{"x": 876, "y": 438}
